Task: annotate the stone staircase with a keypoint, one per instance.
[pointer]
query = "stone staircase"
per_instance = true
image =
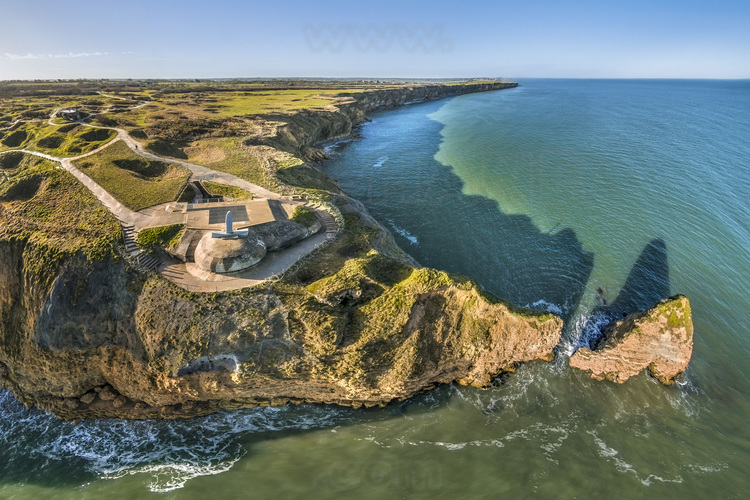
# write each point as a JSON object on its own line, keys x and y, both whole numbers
{"x": 143, "y": 259}
{"x": 329, "y": 224}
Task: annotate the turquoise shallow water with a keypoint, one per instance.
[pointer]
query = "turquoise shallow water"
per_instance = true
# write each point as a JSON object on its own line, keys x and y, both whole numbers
{"x": 560, "y": 195}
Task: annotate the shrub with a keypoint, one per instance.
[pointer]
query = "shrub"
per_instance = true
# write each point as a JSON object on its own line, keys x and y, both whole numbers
{"x": 163, "y": 236}
{"x": 304, "y": 216}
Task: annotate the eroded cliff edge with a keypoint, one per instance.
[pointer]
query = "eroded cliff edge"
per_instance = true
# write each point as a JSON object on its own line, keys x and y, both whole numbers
{"x": 85, "y": 333}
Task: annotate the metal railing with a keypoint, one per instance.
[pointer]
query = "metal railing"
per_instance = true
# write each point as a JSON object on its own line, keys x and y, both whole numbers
{"x": 220, "y": 199}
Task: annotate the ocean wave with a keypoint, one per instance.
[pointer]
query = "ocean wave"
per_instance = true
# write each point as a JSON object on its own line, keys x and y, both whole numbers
{"x": 585, "y": 330}
{"x": 548, "y": 438}
{"x": 546, "y": 306}
{"x": 380, "y": 162}
{"x": 612, "y": 455}
{"x": 333, "y": 147}
{"x": 168, "y": 453}
{"x": 403, "y": 232}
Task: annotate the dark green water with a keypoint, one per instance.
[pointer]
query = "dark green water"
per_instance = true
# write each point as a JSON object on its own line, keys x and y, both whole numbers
{"x": 545, "y": 194}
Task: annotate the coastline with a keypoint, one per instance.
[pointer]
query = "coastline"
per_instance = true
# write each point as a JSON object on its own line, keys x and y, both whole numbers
{"x": 132, "y": 372}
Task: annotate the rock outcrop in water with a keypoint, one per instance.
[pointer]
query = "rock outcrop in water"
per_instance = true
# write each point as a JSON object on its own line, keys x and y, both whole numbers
{"x": 659, "y": 340}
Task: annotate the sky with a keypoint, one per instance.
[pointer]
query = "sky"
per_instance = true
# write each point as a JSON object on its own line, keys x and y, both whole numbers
{"x": 43, "y": 39}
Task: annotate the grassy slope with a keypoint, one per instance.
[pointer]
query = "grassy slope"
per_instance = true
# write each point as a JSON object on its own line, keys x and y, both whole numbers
{"x": 64, "y": 141}
{"x": 49, "y": 206}
{"x": 236, "y": 193}
{"x": 227, "y": 154}
{"x": 162, "y": 236}
{"x": 136, "y": 182}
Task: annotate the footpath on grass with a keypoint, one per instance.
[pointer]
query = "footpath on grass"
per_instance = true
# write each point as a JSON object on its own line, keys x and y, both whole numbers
{"x": 178, "y": 272}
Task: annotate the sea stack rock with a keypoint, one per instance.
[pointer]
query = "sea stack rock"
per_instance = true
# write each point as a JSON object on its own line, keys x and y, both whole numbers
{"x": 659, "y": 339}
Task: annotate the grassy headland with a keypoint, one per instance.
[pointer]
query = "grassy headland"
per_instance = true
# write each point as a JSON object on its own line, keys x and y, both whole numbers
{"x": 357, "y": 322}
{"x": 134, "y": 181}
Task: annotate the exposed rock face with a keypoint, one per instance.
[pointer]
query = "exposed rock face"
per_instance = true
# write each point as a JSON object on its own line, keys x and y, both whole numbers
{"x": 660, "y": 340}
{"x": 166, "y": 353}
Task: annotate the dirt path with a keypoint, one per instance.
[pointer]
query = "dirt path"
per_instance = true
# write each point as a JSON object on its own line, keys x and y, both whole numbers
{"x": 199, "y": 172}
{"x": 180, "y": 273}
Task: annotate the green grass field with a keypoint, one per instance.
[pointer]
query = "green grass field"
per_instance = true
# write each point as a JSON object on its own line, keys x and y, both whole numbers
{"x": 62, "y": 141}
{"x": 227, "y": 154}
{"x": 51, "y": 207}
{"x": 227, "y": 104}
{"x": 237, "y": 194}
{"x": 134, "y": 181}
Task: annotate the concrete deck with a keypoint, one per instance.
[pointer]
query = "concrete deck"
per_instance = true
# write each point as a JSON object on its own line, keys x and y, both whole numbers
{"x": 246, "y": 213}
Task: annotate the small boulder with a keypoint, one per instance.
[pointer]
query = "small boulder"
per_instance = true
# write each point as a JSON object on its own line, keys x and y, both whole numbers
{"x": 88, "y": 398}
{"x": 660, "y": 340}
{"x": 119, "y": 401}
{"x": 107, "y": 393}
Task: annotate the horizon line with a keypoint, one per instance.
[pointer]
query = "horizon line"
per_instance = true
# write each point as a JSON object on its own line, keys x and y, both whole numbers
{"x": 366, "y": 79}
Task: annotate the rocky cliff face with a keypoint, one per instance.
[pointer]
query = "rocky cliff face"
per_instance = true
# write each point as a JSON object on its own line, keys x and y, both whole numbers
{"x": 103, "y": 340}
{"x": 659, "y": 340}
{"x": 302, "y": 130}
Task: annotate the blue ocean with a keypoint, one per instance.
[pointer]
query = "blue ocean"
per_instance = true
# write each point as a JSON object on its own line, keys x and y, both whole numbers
{"x": 558, "y": 195}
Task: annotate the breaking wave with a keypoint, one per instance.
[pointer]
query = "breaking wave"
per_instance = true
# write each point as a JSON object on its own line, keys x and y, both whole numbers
{"x": 403, "y": 232}
{"x": 380, "y": 162}
{"x": 167, "y": 453}
{"x": 546, "y": 306}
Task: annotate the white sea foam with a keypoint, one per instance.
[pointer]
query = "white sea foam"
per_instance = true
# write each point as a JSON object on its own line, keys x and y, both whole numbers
{"x": 708, "y": 469}
{"x": 332, "y": 147}
{"x": 621, "y": 465}
{"x": 457, "y": 446}
{"x": 167, "y": 453}
{"x": 380, "y": 162}
{"x": 168, "y": 477}
{"x": 546, "y": 306}
{"x": 403, "y": 232}
{"x": 586, "y": 329}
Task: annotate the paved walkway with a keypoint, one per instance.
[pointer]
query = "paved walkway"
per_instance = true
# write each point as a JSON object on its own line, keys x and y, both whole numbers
{"x": 199, "y": 172}
{"x": 120, "y": 211}
{"x": 188, "y": 275}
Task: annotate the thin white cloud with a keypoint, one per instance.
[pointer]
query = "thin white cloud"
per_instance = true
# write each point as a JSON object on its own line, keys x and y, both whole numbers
{"x": 69, "y": 55}
{"x": 18, "y": 56}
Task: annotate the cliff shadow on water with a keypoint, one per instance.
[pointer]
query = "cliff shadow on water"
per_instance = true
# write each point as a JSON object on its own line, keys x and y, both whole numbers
{"x": 395, "y": 174}
{"x": 647, "y": 283}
